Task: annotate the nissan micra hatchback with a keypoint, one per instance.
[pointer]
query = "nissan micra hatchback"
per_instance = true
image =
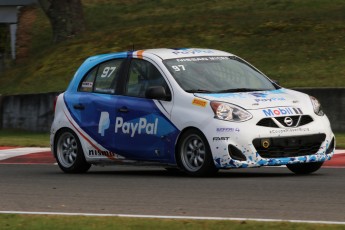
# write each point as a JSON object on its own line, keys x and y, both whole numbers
{"x": 198, "y": 110}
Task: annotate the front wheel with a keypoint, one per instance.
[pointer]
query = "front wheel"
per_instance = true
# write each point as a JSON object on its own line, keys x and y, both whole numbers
{"x": 69, "y": 153}
{"x": 194, "y": 155}
{"x": 304, "y": 168}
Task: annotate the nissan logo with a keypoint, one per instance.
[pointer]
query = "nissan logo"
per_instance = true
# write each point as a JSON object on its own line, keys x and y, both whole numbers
{"x": 288, "y": 121}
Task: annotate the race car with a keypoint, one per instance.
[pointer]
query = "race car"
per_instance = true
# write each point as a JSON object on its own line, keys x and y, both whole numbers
{"x": 196, "y": 110}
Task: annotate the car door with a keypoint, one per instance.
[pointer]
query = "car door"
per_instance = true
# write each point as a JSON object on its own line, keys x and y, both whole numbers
{"x": 93, "y": 105}
{"x": 143, "y": 130}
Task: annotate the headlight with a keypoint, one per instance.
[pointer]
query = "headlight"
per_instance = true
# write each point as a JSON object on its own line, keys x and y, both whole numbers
{"x": 317, "y": 106}
{"x": 228, "y": 112}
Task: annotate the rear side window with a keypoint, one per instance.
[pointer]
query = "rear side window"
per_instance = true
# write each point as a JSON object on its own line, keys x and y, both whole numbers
{"x": 103, "y": 78}
{"x": 87, "y": 83}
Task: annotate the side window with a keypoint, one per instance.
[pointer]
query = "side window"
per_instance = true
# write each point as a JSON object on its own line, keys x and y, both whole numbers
{"x": 142, "y": 75}
{"x": 107, "y": 76}
{"x": 103, "y": 78}
{"x": 87, "y": 83}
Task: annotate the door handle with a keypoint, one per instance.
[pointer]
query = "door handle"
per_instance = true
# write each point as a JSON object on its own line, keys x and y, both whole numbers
{"x": 123, "y": 109}
{"x": 79, "y": 106}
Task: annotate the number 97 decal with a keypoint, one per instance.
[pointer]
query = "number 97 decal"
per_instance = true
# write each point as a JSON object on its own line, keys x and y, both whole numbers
{"x": 108, "y": 71}
{"x": 178, "y": 68}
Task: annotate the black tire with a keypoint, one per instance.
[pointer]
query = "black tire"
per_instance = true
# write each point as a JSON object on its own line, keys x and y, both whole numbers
{"x": 304, "y": 168}
{"x": 193, "y": 155}
{"x": 69, "y": 153}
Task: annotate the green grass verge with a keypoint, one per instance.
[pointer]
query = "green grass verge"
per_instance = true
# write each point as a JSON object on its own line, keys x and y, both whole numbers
{"x": 37, "y": 222}
{"x": 298, "y": 43}
{"x": 340, "y": 140}
{"x": 23, "y": 138}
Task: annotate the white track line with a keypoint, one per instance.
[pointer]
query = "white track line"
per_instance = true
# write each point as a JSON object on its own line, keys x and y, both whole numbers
{"x": 172, "y": 217}
{"x": 9, "y": 153}
{"x": 339, "y": 151}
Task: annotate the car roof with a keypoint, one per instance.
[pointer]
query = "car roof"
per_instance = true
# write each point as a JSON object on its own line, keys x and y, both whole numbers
{"x": 170, "y": 53}
{"x": 162, "y": 53}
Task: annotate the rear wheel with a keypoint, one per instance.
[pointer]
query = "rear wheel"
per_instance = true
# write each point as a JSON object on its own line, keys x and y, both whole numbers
{"x": 194, "y": 155}
{"x": 69, "y": 153}
{"x": 304, "y": 168}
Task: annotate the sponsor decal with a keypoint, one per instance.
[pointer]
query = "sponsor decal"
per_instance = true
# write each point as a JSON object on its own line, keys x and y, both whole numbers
{"x": 221, "y": 138}
{"x": 87, "y": 84}
{"x": 280, "y": 131}
{"x": 104, "y": 123}
{"x": 218, "y": 58}
{"x": 199, "y": 102}
{"x": 269, "y": 99}
{"x": 260, "y": 95}
{"x": 281, "y": 111}
{"x": 192, "y": 51}
{"x": 139, "y": 127}
{"x": 225, "y": 130}
{"x": 94, "y": 152}
{"x": 192, "y": 59}
{"x": 267, "y": 94}
{"x": 197, "y": 59}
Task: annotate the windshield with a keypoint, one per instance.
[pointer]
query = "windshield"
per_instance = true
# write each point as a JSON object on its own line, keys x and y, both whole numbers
{"x": 217, "y": 75}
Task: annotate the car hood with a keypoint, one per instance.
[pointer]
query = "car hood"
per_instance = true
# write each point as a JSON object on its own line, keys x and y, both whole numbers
{"x": 259, "y": 99}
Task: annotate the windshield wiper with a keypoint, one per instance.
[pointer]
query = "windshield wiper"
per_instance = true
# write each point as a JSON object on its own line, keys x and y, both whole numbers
{"x": 198, "y": 91}
{"x": 238, "y": 90}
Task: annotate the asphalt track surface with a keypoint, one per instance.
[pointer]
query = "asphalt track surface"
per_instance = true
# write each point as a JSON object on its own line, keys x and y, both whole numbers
{"x": 264, "y": 193}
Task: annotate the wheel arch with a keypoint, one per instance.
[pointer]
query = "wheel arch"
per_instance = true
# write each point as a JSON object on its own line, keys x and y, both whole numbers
{"x": 76, "y": 162}
{"x": 56, "y": 135}
{"x": 178, "y": 139}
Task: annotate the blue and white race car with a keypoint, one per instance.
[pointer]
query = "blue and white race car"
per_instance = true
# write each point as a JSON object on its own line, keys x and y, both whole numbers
{"x": 199, "y": 110}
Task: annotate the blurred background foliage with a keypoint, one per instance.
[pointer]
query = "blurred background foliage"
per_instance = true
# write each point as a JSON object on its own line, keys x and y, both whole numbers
{"x": 298, "y": 43}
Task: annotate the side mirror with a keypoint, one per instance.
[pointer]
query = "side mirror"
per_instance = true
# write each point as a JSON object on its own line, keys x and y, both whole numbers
{"x": 158, "y": 93}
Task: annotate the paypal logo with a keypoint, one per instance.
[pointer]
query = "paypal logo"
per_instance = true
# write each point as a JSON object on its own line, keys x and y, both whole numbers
{"x": 261, "y": 95}
{"x": 136, "y": 127}
{"x": 104, "y": 123}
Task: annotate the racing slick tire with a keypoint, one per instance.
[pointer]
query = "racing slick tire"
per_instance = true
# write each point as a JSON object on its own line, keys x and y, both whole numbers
{"x": 304, "y": 168}
{"x": 194, "y": 156}
{"x": 69, "y": 153}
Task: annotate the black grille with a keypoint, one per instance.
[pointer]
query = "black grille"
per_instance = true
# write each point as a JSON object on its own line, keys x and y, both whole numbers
{"x": 305, "y": 120}
{"x": 296, "y": 121}
{"x": 289, "y": 146}
{"x": 267, "y": 122}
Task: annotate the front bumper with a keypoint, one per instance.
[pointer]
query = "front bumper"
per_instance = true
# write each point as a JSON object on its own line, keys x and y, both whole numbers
{"x": 252, "y": 158}
{"x": 243, "y": 145}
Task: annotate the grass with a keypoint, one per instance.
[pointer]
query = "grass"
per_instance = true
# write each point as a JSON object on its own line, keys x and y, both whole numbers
{"x": 23, "y": 138}
{"x": 36, "y": 222}
{"x": 340, "y": 140}
{"x": 298, "y": 43}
